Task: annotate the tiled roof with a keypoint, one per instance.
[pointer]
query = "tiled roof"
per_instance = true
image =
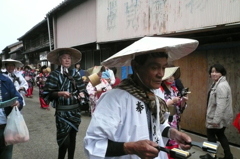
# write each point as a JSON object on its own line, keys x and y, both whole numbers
{"x": 33, "y": 28}
{"x": 59, "y": 7}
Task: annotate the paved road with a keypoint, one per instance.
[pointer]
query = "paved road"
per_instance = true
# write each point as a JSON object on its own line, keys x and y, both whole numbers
{"x": 41, "y": 125}
{"x": 42, "y": 143}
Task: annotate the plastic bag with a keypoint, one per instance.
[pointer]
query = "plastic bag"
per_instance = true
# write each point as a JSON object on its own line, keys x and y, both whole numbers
{"x": 16, "y": 130}
{"x": 236, "y": 122}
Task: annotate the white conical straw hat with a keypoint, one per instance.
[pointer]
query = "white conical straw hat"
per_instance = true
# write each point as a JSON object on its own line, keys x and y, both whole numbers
{"x": 15, "y": 62}
{"x": 176, "y": 48}
{"x": 53, "y": 56}
{"x": 169, "y": 71}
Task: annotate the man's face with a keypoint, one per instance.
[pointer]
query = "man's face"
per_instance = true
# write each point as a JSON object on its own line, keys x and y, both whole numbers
{"x": 66, "y": 60}
{"x": 10, "y": 67}
{"x": 152, "y": 71}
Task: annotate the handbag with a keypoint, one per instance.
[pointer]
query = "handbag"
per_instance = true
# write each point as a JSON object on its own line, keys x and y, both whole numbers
{"x": 236, "y": 122}
{"x": 16, "y": 130}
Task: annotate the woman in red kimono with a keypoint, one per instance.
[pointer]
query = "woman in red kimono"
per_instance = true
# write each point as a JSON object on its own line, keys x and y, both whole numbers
{"x": 29, "y": 77}
{"x": 41, "y": 80}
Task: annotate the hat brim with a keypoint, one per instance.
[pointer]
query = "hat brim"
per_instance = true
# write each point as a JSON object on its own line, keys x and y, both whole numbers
{"x": 53, "y": 56}
{"x": 27, "y": 67}
{"x": 93, "y": 75}
{"x": 15, "y": 62}
{"x": 176, "y": 48}
{"x": 169, "y": 71}
{"x": 95, "y": 69}
{"x": 94, "y": 79}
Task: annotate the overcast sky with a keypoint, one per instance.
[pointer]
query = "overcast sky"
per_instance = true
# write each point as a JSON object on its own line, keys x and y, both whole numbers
{"x": 19, "y": 16}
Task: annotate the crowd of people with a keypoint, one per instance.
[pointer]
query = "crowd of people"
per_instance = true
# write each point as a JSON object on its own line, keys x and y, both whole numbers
{"x": 29, "y": 76}
{"x": 130, "y": 118}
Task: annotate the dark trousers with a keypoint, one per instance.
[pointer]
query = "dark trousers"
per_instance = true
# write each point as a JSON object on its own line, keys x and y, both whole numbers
{"x": 5, "y": 151}
{"x": 219, "y": 133}
{"x": 68, "y": 145}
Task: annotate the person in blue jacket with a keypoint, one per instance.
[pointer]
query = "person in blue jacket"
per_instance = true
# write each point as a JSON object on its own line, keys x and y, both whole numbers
{"x": 78, "y": 69}
{"x": 7, "y": 91}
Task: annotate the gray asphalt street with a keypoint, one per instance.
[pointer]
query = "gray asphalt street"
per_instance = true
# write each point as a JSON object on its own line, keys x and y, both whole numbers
{"x": 42, "y": 130}
{"x": 43, "y": 145}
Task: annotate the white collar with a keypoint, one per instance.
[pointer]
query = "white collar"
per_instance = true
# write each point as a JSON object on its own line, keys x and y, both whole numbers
{"x": 62, "y": 69}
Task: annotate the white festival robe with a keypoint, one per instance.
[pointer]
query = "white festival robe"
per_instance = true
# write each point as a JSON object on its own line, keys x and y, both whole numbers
{"x": 117, "y": 118}
{"x": 17, "y": 85}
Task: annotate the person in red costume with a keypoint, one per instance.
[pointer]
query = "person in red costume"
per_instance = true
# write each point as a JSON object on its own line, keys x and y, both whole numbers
{"x": 175, "y": 103}
{"x": 29, "y": 77}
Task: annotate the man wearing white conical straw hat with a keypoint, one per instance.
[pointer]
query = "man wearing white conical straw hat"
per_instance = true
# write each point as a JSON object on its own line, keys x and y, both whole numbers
{"x": 130, "y": 121}
{"x": 66, "y": 90}
{"x": 19, "y": 81}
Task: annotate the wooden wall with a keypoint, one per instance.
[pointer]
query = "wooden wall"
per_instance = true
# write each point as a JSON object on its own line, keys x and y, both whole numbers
{"x": 194, "y": 74}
